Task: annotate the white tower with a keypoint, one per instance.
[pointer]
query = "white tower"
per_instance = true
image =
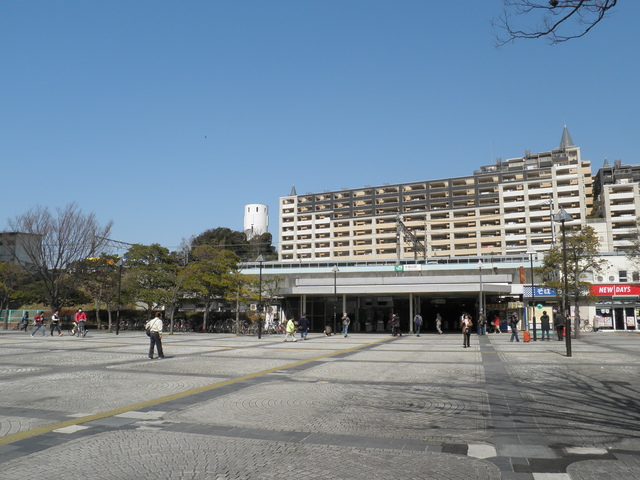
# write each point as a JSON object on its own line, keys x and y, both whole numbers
{"x": 256, "y": 220}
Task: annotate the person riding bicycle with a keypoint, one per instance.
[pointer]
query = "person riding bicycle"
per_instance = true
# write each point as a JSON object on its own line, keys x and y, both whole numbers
{"x": 80, "y": 320}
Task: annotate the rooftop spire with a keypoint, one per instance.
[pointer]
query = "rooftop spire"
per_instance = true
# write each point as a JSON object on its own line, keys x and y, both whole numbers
{"x": 293, "y": 191}
{"x": 566, "y": 140}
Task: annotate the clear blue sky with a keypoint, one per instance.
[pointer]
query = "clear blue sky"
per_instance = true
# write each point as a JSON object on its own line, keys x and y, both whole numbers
{"x": 168, "y": 117}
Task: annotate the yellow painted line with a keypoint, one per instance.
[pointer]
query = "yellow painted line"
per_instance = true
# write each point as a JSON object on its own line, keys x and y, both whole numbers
{"x": 128, "y": 408}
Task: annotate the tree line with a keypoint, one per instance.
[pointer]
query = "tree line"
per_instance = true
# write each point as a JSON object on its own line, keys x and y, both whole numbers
{"x": 64, "y": 259}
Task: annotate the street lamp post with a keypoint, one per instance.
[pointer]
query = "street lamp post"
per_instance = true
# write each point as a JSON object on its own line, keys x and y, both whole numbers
{"x": 335, "y": 271}
{"x": 260, "y": 259}
{"x": 480, "y": 296}
{"x": 119, "y": 264}
{"x": 531, "y": 252}
{"x": 562, "y": 216}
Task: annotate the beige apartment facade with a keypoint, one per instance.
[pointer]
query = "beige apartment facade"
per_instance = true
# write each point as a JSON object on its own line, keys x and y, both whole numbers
{"x": 500, "y": 209}
{"x": 461, "y": 233}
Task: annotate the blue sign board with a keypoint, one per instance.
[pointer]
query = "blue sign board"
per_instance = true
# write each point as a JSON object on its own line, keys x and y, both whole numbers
{"x": 540, "y": 291}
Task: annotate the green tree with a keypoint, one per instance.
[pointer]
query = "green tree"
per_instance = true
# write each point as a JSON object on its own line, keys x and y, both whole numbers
{"x": 100, "y": 282}
{"x": 12, "y": 277}
{"x": 213, "y": 275}
{"x": 243, "y": 288}
{"x": 583, "y": 248}
{"x": 149, "y": 276}
{"x": 226, "y": 239}
{"x": 185, "y": 285}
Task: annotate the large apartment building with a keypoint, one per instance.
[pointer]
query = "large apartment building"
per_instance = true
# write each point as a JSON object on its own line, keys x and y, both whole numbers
{"x": 500, "y": 209}
{"x": 616, "y": 197}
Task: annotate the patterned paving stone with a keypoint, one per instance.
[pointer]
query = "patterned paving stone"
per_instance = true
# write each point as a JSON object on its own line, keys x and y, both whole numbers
{"x": 366, "y": 410}
{"x": 153, "y": 454}
{"x": 227, "y": 407}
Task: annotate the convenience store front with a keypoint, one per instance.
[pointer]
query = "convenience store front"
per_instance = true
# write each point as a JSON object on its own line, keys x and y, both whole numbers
{"x": 617, "y": 307}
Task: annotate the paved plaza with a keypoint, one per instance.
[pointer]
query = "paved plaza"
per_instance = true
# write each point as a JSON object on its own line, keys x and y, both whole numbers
{"x": 363, "y": 407}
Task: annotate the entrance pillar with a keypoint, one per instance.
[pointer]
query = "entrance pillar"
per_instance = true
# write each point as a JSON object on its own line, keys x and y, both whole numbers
{"x": 411, "y": 314}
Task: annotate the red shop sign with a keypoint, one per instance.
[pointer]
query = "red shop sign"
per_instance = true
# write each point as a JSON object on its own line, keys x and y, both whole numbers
{"x": 619, "y": 289}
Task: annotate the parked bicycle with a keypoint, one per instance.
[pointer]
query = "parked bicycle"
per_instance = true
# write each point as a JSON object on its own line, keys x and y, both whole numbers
{"x": 585, "y": 326}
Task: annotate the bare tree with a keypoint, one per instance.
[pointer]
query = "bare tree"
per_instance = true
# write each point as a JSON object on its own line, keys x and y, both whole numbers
{"x": 556, "y": 20}
{"x": 57, "y": 245}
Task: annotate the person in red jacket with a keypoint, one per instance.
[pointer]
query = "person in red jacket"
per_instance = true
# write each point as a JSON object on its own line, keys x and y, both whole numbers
{"x": 38, "y": 321}
{"x": 79, "y": 317}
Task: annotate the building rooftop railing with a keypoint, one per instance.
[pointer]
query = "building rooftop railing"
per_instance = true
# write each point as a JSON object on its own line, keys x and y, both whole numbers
{"x": 487, "y": 260}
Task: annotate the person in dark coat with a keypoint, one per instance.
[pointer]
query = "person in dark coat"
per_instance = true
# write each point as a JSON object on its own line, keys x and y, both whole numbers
{"x": 513, "y": 324}
{"x": 395, "y": 325}
{"x": 303, "y": 326}
{"x": 545, "y": 325}
{"x": 558, "y": 323}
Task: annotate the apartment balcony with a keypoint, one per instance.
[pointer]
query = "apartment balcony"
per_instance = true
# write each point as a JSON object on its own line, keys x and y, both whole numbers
{"x": 623, "y": 208}
{"x": 444, "y": 241}
{"x": 622, "y": 196}
{"x": 624, "y": 222}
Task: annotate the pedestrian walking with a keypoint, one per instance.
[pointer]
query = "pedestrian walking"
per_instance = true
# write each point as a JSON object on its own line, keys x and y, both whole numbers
{"x": 55, "y": 323}
{"x": 417, "y": 320}
{"x": 466, "y": 325}
{"x": 438, "y": 323}
{"x": 513, "y": 323}
{"x": 395, "y": 325}
{"x": 558, "y": 323}
{"x": 544, "y": 325}
{"x": 303, "y": 326}
{"x": 482, "y": 324}
{"x": 290, "y": 331}
{"x": 346, "y": 321}
{"x": 25, "y": 321}
{"x": 496, "y": 324}
{"x": 38, "y": 321}
{"x": 154, "y": 326}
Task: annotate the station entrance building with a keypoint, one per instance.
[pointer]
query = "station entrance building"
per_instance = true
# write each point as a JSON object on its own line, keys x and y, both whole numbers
{"x": 369, "y": 292}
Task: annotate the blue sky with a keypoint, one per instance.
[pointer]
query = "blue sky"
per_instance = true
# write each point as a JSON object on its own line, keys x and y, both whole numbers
{"x": 168, "y": 117}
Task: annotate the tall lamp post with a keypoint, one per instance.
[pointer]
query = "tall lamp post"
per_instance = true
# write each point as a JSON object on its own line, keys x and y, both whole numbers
{"x": 562, "y": 216}
{"x": 260, "y": 259}
{"x": 119, "y": 264}
{"x": 480, "y": 296}
{"x": 531, "y": 252}
{"x": 335, "y": 271}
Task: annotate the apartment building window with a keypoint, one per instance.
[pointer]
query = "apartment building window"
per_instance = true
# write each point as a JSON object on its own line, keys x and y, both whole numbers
{"x": 622, "y": 275}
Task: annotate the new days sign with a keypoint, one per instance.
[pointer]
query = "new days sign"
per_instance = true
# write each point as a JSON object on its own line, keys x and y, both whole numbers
{"x": 611, "y": 290}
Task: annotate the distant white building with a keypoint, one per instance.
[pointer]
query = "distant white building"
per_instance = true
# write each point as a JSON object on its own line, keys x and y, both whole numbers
{"x": 256, "y": 220}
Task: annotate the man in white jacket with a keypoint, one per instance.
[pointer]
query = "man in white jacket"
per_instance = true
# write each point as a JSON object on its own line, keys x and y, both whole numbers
{"x": 155, "y": 334}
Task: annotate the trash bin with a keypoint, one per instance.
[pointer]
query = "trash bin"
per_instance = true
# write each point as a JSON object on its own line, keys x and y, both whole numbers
{"x": 526, "y": 336}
